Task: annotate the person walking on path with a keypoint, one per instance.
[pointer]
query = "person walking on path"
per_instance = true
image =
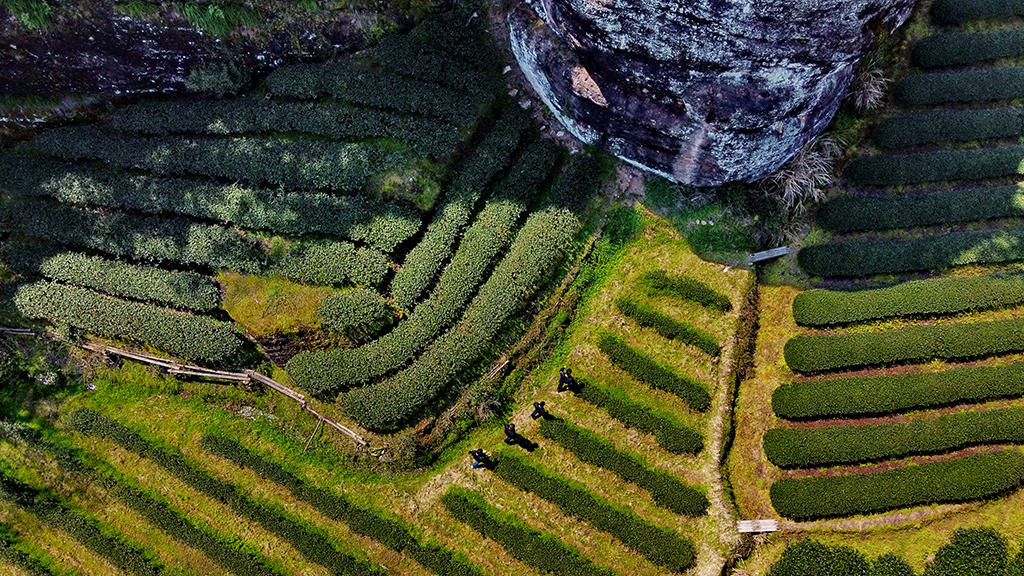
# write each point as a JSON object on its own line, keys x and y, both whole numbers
{"x": 565, "y": 379}
{"x": 538, "y": 410}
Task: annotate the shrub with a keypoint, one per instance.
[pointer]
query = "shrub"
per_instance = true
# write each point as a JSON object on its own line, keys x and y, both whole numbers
{"x": 964, "y": 48}
{"x": 217, "y": 78}
{"x": 819, "y": 353}
{"x": 928, "y": 127}
{"x": 667, "y": 326}
{"x": 971, "y": 552}
{"x": 812, "y": 558}
{"x": 866, "y": 395}
{"x": 958, "y": 11}
{"x": 973, "y": 86}
{"x": 357, "y": 313}
{"x": 900, "y": 169}
{"x": 659, "y": 282}
{"x": 178, "y": 333}
{"x": 11, "y": 555}
{"x": 891, "y": 565}
{"x": 411, "y": 57}
{"x": 646, "y": 370}
{"x": 665, "y": 489}
{"x": 331, "y": 263}
{"x": 932, "y": 297}
{"x": 890, "y": 256}
{"x": 670, "y": 434}
{"x": 531, "y": 547}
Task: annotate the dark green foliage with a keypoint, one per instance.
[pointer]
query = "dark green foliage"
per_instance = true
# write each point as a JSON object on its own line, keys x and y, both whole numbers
{"x": 958, "y": 11}
{"x": 666, "y": 325}
{"x": 963, "y": 48}
{"x": 928, "y": 127}
{"x": 646, "y": 370}
{"x": 866, "y": 395}
{"x": 971, "y": 552}
{"x": 406, "y": 55}
{"x": 330, "y": 263}
{"x": 659, "y": 282}
{"x": 855, "y": 444}
{"x": 463, "y": 36}
{"x": 670, "y": 434}
{"x": 290, "y": 163}
{"x": 314, "y": 545}
{"x": 932, "y": 297}
{"x": 390, "y": 533}
{"x": 357, "y": 313}
{"x": 1015, "y": 567}
{"x": 900, "y": 169}
{"x": 531, "y": 547}
{"x": 30, "y": 565}
{"x": 180, "y": 334}
{"x": 666, "y": 490}
{"x": 217, "y": 78}
{"x": 934, "y": 252}
{"x": 818, "y": 353}
{"x": 891, "y": 565}
{"x": 812, "y": 558}
{"x": 974, "y": 477}
{"x": 973, "y": 86}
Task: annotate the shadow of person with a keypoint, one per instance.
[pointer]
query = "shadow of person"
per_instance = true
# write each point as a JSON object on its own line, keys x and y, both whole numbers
{"x": 525, "y": 443}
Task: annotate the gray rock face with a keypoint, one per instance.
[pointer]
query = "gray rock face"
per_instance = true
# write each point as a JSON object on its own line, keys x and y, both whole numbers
{"x": 700, "y": 91}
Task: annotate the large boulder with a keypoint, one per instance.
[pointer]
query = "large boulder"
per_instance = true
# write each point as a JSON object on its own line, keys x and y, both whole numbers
{"x": 700, "y": 91}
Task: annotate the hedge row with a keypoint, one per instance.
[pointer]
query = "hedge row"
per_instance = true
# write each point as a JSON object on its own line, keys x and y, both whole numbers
{"x": 542, "y": 551}
{"x": 812, "y": 558}
{"x": 931, "y": 297}
{"x": 650, "y": 372}
{"x": 660, "y": 545}
{"x": 958, "y": 11}
{"x": 15, "y": 557}
{"x": 463, "y": 35}
{"x": 358, "y": 313}
{"x": 536, "y": 251}
{"x": 248, "y": 116}
{"x": 964, "y": 48}
{"x": 889, "y": 256}
{"x": 666, "y": 325}
{"x": 178, "y": 333}
{"x": 670, "y": 434}
{"x": 143, "y": 238}
{"x": 665, "y": 489}
{"x": 900, "y": 169}
{"x": 456, "y": 209}
{"x": 290, "y": 163}
{"x": 974, "y": 477}
{"x": 329, "y": 263}
{"x": 862, "y": 396}
{"x": 314, "y": 545}
{"x": 973, "y": 86}
{"x": 489, "y": 235}
{"x": 928, "y": 127}
{"x": 381, "y": 224}
{"x": 659, "y": 282}
{"x": 375, "y": 88}
{"x": 853, "y": 444}
{"x": 411, "y": 57}
{"x": 821, "y": 352}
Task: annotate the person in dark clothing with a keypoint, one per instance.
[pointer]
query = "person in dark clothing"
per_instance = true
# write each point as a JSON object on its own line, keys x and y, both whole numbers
{"x": 538, "y": 410}
{"x": 565, "y": 379}
{"x": 511, "y": 436}
{"x": 480, "y": 458}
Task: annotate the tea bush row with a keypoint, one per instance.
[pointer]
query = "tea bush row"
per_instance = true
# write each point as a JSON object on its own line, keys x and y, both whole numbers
{"x": 463, "y": 35}
{"x": 180, "y": 334}
{"x": 490, "y": 234}
{"x": 382, "y": 225}
{"x": 328, "y": 263}
{"x": 904, "y": 130}
{"x": 314, "y": 545}
{"x": 11, "y": 555}
{"x": 536, "y": 251}
{"x": 959, "y": 11}
{"x": 975, "y": 477}
{"x": 812, "y": 558}
{"x": 659, "y": 545}
{"x": 357, "y": 313}
{"x": 290, "y": 163}
{"x": 670, "y": 434}
{"x": 888, "y": 394}
{"x": 964, "y": 48}
{"x": 971, "y": 86}
{"x": 665, "y": 489}
{"x": 934, "y": 252}
{"x": 406, "y": 55}
{"x": 900, "y": 169}
{"x": 456, "y": 209}
{"x": 388, "y": 532}
{"x": 855, "y": 444}
{"x": 659, "y": 282}
{"x": 542, "y": 551}
{"x": 247, "y": 116}
{"x": 666, "y": 325}
{"x": 650, "y": 372}
{"x": 931, "y": 297}
{"x": 821, "y": 352}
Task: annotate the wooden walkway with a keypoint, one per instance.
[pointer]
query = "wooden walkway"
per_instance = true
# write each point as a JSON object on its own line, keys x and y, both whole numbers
{"x": 768, "y": 254}
{"x": 757, "y": 526}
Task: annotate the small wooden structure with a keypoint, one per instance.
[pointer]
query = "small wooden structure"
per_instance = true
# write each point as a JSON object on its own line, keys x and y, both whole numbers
{"x": 16, "y": 331}
{"x": 757, "y": 526}
{"x": 768, "y": 254}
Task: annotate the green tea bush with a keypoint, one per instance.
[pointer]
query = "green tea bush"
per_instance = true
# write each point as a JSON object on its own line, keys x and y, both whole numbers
{"x": 855, "y": 212}
{"x": 659, "y": 282}
{"x": 931, "y": 297}
{"x": 812, "y": 558}
{"x": 15, "y": 557}
{"x": 975, "y": 477}
{"x": 971, "y": 551}
{"x": 666, "y": 325}
{"x": 536, "y": 251}
{"x": 411, "y": 57}
{"x": 971, "y": 86}
{"x": 290, "y": 163}
{"x": 380, "y": 224}
{"x": 329, "y": 263}
{"x": 666, "y": 489}
{"x": 958, "y": 11}
{"x": 463, "y": 36}
{"x": 934, "y": 252}
{"x": 964, "y": 48}
{"x": 670, "y": 434}
{"x": 646, "y": 370}
{"x": 854, "y": 444}
{"x": 890, "y": 564}
{"x": 818, "y": 353}
{"x": 542, "y": 551}
{"x": 888, "y": 394}
{"x": 217, "y": 78}
{"x": 357, "y": 313}
{"x": 178, "y": 333}
{"x": 900, "y": 169}
{"x": 902, "y": 130}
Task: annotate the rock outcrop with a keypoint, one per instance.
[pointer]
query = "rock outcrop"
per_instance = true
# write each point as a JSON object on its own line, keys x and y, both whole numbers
{"x": 700, "y": 91}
